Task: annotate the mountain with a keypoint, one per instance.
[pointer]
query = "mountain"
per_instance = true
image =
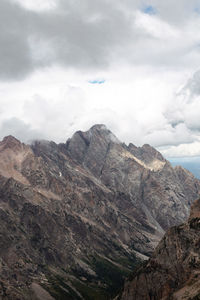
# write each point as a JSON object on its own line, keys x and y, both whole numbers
{"x": 76, "y": 218}
{"x": 142, "y": 173}
{"x": 173, "y": 271}
{"x": 190, "y": 163}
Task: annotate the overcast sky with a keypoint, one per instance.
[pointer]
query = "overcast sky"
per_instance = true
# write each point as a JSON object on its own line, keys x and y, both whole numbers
{"x": 133, "y": 65}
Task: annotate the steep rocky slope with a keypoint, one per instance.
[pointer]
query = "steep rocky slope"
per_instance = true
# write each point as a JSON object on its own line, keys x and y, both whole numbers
{"x": 162, "y": 192}
{"x": 76, "y": 218}
{"x": 173, "y": 272}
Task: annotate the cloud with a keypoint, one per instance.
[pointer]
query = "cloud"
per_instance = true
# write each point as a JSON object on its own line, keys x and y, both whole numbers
{"x": 37, "y": 5}
{"x": 138, "y": 109}
{"x": 66, "y": 65}
{"x": 15, "y": 58}
{"x": 182, "y": 150}
{"x": 20, "y": 130}
{"x": 95, "y": 35}
{"x": 55, "y": 118}
{"x": 192, "y": 87}
{"x": 186, "y": 105}
{"x": 73, "y": 34}
{"x": 178, "y": 12}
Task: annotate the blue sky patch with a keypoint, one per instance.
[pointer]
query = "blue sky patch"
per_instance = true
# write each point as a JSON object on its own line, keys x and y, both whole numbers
{"x": 149, "y": 10}
{"x": 97, "y": 81}
{"x": 197, "y": 10}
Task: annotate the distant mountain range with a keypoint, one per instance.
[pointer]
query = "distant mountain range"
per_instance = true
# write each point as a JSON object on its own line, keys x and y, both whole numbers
{"x": 77, "y": 218}
{"x": 190, "y": 163}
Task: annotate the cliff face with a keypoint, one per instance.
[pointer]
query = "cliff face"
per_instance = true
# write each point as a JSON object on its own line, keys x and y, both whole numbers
{"x": 173, "y": 272}
{"x": 163, "y": 192}
{"x": 76, "y": 218}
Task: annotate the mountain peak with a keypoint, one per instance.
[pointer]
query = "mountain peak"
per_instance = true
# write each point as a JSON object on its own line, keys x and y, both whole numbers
{"x": 10, "y": 142}
{"x": 11, "y": 138}
{"x": 149, "y": 155}
{"x": 90, "y": 148}
{"x": 99, "y": 127}
{"x": 104, "y": 132}
{"x": 146, "y": 148}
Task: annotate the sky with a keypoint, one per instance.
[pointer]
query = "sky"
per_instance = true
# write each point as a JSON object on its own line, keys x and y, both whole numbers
{"x": 131, "y": 65}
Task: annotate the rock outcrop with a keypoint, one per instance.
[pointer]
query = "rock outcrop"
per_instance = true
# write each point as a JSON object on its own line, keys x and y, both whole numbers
{"x": 76, "y": 218}
{"x": 162, "y": 192}
{"x": 173, "y": 271}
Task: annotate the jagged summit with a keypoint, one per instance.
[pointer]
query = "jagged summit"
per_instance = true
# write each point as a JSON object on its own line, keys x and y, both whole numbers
{"x": 121, "y": 167}
{"x": 146, "y": 153}
{"x": 98, "y": 130}
{"x": 103, "y": 130}
{"x": 101, "y": 127}
{"x": 98, "y": 142}
{"x": 146, "y": 148}
{"x": 10, "y": 138}
{"x": 95, "y": 142}
{"x": 75, "y": 218}
{"x": 10, "y": 142}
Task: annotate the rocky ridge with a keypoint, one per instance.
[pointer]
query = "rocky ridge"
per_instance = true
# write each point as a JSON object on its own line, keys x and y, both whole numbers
{"x": 173, "y": 271}
{"x": 141, "y": 172}
{"x": 76, "y": 218}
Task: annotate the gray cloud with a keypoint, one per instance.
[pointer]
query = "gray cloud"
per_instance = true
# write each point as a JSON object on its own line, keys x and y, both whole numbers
{"x": 176, "y": 12}
{"x": 83, "y": 35}
{"x": 20, "y": 130}
{"x": 15, "y": 58}
{"x": 186, "y": 105}
{"x": 91, "y": 35}
{"x": 192, "y": 87}
{"x": 73, "y": 34}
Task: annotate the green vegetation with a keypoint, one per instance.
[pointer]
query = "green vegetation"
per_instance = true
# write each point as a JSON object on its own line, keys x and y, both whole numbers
{"x": 110, "y": 275}
{"x": 91, "y": 293}
{"x": 105, "y": 285}
{"x": 60, "y": 290}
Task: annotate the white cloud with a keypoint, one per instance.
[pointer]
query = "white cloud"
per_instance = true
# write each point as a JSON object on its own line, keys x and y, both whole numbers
{"x": 51, "y": 50}
{"x": 155, "y": 27}
{"x": 85, "y": 35}
{"x": 182, "y": 150}
{"x": 37, "y": 5}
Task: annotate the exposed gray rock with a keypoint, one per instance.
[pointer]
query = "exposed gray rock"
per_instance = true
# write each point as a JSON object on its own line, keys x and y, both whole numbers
{"x": 76, "y": 218}
{"x": 173, "y": 271}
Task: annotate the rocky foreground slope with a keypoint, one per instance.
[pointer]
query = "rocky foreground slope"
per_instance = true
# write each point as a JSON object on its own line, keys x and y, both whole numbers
{"x": 173, "y": 272}
{"x": 76, "y": 218}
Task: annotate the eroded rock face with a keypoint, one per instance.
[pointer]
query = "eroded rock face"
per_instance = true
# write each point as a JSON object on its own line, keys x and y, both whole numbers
{"x": 163, "y": 192}
{"x": 173, "y": 272}
{"x": 76, "y": 218}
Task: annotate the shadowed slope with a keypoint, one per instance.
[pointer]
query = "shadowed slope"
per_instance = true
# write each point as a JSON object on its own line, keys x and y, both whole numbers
{"x": 173, "y": 271}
